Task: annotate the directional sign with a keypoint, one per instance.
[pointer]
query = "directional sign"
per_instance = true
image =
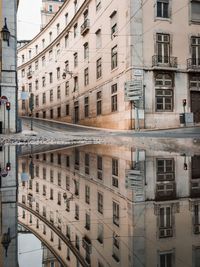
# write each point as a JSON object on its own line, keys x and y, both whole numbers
{"x": 4, "y": 173}
{"x": 133, "y": 90}
{"x": 4, "y": 99}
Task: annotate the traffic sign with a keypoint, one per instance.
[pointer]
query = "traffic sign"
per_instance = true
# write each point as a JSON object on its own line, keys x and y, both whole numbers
{"x": 4, "y": 173}
{"x": 4, "y": 99}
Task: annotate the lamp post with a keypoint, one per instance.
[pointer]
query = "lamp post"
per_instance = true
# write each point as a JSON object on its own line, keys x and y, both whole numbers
{"x": 5, "y": 33}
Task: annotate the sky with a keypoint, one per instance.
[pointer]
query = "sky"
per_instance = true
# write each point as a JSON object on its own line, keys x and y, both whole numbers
{"x": 28, "y": 19}
{"x": 30, "y": 252}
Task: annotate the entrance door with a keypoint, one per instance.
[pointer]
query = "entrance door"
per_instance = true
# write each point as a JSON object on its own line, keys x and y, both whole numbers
{"x": 195, "y": 105}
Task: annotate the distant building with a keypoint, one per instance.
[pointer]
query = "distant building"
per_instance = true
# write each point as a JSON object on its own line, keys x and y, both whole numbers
{"x": 8, "y": 72}
{"x": 116, "y": 64}
{"x": 49, "y": 9}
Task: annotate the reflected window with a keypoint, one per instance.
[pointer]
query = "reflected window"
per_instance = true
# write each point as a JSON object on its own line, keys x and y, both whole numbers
{"x": 68, "y": 232}
{"x": 76, "y": 212}
{"x": 116, "y": 247}
{"x": 115, "y": 172}
{"x": 100, "y": 233}
{"x": 51, "y": 176}
{"x": 76, "y": 188}
{"x": 100, "y": 202}
{"x": 44, "y": 190}
{"x": 76, "y": 160}
{"x": 87, "y": 194}
{"x": 196, "y": 218}
{"x": 51, "y": 239}
{"x": 87, "y": 164}
{"x": 163, "y": 8}
{"x": 115, "y": 213}
{"x": 59, "y": 198}
{"x": 44, "y": 229}
{"x": 99, "y": 167}
{"x": 87, "y": 221}
{"x": 165, "y": 222}
{"x": 37, "y": 188}
{"x": 44, "y": 173}
{"x": 166, "y": 259}
{"x": 59, "y": 179}
{"x": 59, "y": 159}
{"x": 51, "y": 193}
{"x": 77, "y": 242}
{"x": 67, "y": 161}
{"x": 67, "y": 182}
{"x": 51, "y": 157}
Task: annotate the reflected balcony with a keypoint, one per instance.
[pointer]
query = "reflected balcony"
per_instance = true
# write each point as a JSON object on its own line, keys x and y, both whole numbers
{"x": 193, "y": 64}
{"x": 164, "y": 62}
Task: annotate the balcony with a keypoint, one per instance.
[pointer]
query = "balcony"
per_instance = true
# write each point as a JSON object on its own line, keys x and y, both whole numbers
{"x": 85, "y": 27}
{"x": 29, "y": 74}
{"x": 164, "y": 62}
{"x": 193, "y": 64}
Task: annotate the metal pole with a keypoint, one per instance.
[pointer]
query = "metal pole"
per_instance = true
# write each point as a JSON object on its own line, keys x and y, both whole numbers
{"x": 4, "y": 118}
{"x": 8, "y": 121}
{"x": 31, "y": 121}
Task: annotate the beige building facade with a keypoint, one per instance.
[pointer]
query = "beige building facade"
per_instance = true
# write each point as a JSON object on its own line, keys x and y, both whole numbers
{"x": 115, "y": 64}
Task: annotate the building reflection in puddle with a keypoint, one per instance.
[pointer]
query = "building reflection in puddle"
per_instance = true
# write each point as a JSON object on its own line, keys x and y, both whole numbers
{"x": 8, "y": 211}
{"x": 101, "y": 205}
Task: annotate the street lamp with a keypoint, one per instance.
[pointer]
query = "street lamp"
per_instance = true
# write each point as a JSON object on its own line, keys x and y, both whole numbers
{"x": 5, "y": 33}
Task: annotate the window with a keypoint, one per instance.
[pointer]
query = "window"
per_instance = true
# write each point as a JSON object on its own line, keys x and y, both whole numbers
{"x": 51, "y": 95}
{"x": 86, "y": 76}
{"x": 77, "y": 241}
{"x": 166, "y": 259}
{"x": 87, "y": 164}
{"x": 30, "y": 87}
{"x": 36, "y": 84}
{"x": 165, "y": 169}
{"x": 23, "y": 58}
{"x": 36, "y": 49}
{"x": 195, "y": 10}
{"x": 76, "y": 159}
{"x": 23, "y": 73}
{"x": 58, "y": 73}
{"x": 86, "y": 106}
{"x": 66, "y": 40}
{"x": 50, "y": 8}
{"x": 115, "y": 181}
{"x": 67, "y": 182}
{"x": 165, "y": 222}
{"x": 43, "y": 82}
{"x": 75, "y": 83}
{"x": 67, "y": 110}
{"x": 50, "y": 55}
{"x": 114, "y": 57}
{"x": 75, "y": 60}
{"x": 99, "y": 68}
{"x": 195, "y": 48}
{"x": 164, "y": 92}
{"x": 37, "y": 188}
{"x": 113, "y": 22}
{"x": 43, "y": 43}
{"x": 51, "y": 113}
{"x": 98, "y": 4}
{"x": 100, "y": 233}
{"x": 162, "y": 8}
{"x": 75, "y": 30}
{"x": 76, "y": 188}
{"x": 67, "y": 65}
{"x": 76, "y": 212}
{"x": 99, "y": 103}
{"x": 194, "y": 82}
{"x": 68, "y": 232}
{"x": 163, "y": 48}
{"x": 100, "y": 202}
{"x": 116, "y": 251}
{"x": 29, "y": 53}
{"x": 44, "y": 190}
{"x": 50, "y": 37}
{"x": 50, "y": 77}
{"x": 87, "y": 194}
{"x": 87, "y": 221}
{"x": 44, "y": 98}
{"x": 36, "y": 65}
{"x": 51, "y": 176}
{"x": 51, "y": 193}
{"x": 58, "y": 28}
{"x": 66, "y": 18}
{"x": 58, "y": 49}
{"x": 44, "y": 173}
{"x": 59, "y": 199}
{"x": 58, "y": 92}
{"x": 115, "y": 213}
{"x": 43, "y": 61}
{"x": 99, "y": 168}
{"x": 114, "y": 98}
{"x": 67, "y": 88}
{"x": 75, "y": 5}
{"x": 59, "y": 179}
{"x": 86, "y": 50}
{"x": 98, "y": 39}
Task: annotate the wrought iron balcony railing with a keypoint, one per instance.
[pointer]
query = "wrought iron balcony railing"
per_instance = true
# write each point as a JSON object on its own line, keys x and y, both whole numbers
{"x": 193, "y": 63}
{"x": 164, "y": 61}
{"x": 85, "y": 26}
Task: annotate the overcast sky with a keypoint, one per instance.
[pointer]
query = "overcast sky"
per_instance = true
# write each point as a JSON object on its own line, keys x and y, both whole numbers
{"x": 28, "y": 19}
